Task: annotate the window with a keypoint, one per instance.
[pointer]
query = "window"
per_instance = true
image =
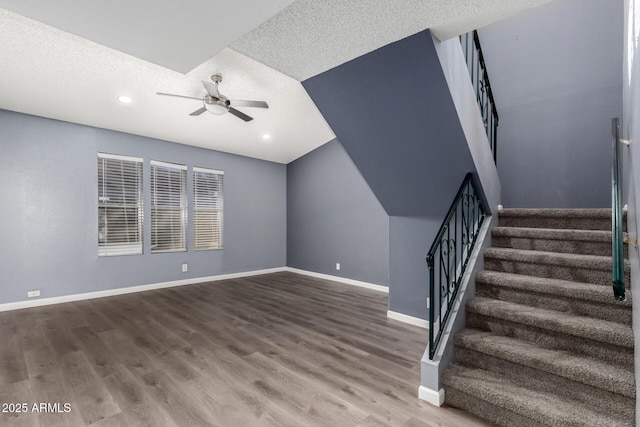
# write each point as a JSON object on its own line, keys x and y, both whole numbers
{"x": 207, "y": 208}
{"x": 168, "y": 207}
{"x": 119, "y": 205}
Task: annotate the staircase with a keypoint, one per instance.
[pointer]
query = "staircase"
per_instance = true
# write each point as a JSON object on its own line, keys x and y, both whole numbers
{"x": 546, "y": 344}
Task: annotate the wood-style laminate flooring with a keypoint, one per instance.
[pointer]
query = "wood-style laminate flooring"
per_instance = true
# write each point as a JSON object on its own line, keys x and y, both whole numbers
{"x": 274, "y": 350}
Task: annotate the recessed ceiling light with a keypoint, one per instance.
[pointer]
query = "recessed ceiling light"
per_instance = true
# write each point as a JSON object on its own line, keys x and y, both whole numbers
{"x": 125, "y": 99}
{"x": 266, "y": 136}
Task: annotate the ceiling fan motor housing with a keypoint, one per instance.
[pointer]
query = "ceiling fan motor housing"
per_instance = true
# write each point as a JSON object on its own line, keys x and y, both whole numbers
{"x": 216, "y": 106}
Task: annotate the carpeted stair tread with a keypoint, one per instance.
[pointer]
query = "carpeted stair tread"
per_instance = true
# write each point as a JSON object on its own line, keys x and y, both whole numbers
{"x": 552, "y": 337}
{"x": 562, "y": 363}
{"x": 564, "y": 288}
{"x": 544, "y": 382}
{"x": 590, "y": 242}
{"x": 556, "y": 213}
{"x": 543, "y": 408}
{"x": 585, "y": 219}
{"x": 554, "y": 234}
{"x": 566, "y": 266}
{"x": 585, "y": 327}
{"x": 578, "y": 298}
{"x": 593, "y": 262}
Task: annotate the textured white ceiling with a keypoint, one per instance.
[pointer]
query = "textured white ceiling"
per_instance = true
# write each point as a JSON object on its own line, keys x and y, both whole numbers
{"x": 117, "y": 47}
{"x": 311, "y": 36}
{"x": 51, "y": 73}
{"x": 178, "y": 35}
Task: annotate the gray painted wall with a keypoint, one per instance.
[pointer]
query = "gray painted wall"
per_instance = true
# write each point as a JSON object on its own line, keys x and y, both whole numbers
{"x": 394, "y": 114}
{"x": 557, "y": 83}
{"x": 48, "y": 179}
{"x": 410, "y": 240}
{"x": 333, "y": 216}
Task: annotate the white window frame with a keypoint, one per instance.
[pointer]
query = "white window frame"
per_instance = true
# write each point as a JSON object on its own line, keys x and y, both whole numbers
{"x": 119, "y": 197}
{"x": 168, "y": 207}
{"x": 208, "y": 209}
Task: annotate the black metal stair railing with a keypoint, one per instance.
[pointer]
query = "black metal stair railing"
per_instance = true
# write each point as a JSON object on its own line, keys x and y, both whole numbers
{"x": 480, "y": 80}
{"x": 449, "y": 255}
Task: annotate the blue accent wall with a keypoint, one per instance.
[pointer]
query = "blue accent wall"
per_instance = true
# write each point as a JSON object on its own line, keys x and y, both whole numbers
{"x": 48, "y": 186}
{"x": 393, "y": 113}
{"x": 333, "y": 216}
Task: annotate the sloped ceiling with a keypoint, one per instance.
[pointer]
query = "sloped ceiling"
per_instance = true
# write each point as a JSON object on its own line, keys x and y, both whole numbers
{"x": 71, "y": 59}
{"x": 51, "y": 73}
{"x": 178, "y": 35}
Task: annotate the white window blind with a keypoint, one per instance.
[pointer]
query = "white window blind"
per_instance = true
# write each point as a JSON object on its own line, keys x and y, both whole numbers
{"x": 168, "y": 207}
{"x": 119, "y": 205}
{"x": 207, "y": 208}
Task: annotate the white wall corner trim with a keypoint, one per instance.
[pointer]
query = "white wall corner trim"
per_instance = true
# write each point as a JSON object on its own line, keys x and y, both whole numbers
{"x": 132, "y": 289}
{"x": 353, "y": 282}
{"x": 415, "y": 321}
{"x": 436, "y": 398}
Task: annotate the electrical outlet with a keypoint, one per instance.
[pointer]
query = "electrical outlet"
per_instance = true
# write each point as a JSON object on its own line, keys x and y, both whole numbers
{"x": 337, "y": 266}
{"x": 185, "y": 268}
{"x": 33, "y": 294}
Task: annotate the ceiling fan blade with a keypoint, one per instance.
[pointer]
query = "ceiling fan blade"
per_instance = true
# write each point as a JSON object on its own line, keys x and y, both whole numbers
{"x": 244, "y": 103}
{"x": 177, "y": 96}
{"x": 240, "y": 114}
{"x": 198, "y": 111}
{"x": 211, "y": 88}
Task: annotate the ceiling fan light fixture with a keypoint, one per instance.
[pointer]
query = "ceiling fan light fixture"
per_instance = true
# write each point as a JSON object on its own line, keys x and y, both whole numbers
{"x": 216, "y": 109}
{"x": 215, "y": 106}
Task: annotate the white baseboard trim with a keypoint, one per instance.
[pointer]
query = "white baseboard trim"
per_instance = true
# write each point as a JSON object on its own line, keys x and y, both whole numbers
{"x": 141, "y": 288}
{"x": 415, "y": 321}
{"x": 436, "y": 398}
{"x": 353, "y": 282}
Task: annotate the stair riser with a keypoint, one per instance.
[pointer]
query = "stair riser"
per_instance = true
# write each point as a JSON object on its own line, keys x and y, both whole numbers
{"x": 600, "y": 400}
{"x": 576, "y": 274}
{"x": 553, "y": 339}
{"x": 576, "y": 223}
{"x": 549, "y": 245}
{"x": 613, "y": 313}
{"x": 486, "y": 410}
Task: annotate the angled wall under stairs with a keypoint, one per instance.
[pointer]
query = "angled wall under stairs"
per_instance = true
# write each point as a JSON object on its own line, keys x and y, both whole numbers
{"x": 545, "y": 342}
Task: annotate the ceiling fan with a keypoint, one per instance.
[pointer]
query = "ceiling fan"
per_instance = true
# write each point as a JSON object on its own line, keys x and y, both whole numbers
{"x": 216, "y": 103}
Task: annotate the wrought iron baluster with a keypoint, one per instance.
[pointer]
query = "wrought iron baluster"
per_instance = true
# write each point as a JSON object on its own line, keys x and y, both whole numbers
{"x": 451, "y": 251}
{"x": 440, "y": 289}
{"x": 455, "y": 239}
{"x": 482, "y": 87}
